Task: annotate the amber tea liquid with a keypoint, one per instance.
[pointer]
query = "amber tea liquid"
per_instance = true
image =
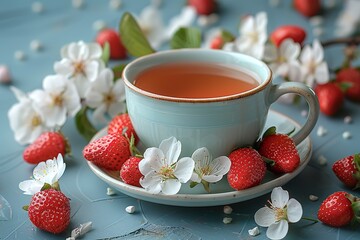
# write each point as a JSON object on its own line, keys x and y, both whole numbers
{"x": 194, "y": 80}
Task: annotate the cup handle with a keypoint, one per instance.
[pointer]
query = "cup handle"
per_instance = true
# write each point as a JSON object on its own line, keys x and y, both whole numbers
{"x": 312, "y": 100}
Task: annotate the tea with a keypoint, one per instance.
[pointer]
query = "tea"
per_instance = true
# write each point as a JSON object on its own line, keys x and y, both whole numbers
{"x": 194, "y": 80}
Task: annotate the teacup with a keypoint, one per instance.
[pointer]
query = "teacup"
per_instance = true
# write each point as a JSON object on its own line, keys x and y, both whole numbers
{"x": 220, "y": 123}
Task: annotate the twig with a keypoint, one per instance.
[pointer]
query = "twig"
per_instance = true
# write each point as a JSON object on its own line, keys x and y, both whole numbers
{"x": 348, "y": 41}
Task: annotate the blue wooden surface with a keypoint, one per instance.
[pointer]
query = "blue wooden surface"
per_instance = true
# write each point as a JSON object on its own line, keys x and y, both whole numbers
{"x": 61, "y": 24}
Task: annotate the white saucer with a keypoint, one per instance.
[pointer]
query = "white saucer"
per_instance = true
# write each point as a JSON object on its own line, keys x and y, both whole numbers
{"x": 221, "y": 193}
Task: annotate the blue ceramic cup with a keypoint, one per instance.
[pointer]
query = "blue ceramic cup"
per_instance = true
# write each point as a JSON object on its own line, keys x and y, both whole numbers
{"x": 222, "y": 123}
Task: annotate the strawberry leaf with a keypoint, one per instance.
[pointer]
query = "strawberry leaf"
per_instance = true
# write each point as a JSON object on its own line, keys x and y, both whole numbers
{"x": 268, "y": 161}
{"x": 269, "y": 131}
{"x": 186, "y": 38}
{"x": 227, "y": 36}
{"x": 26, "y": 207}
{"x": 133, "y": 37}
{"x": 83, "y": 125}
{"x": 106, "y": 53}
{"x": 46, "y": 187}
{"x": 118, "y": 70}
{"x": 193, "y": 184}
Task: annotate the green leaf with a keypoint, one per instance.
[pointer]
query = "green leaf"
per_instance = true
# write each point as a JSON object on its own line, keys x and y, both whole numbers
{"x": 117, "y": 70}
{"x": 106, "y": 53}
{"x": 186, "y": 38}
{"x": 83, "y": 125}
{"x": 133, "y": 37}
{"x": 46, "y": 187}
{"x": 269, "y": 131}
{"x": 227, "y": 36}
{"x": 193, "y": 184}
{"x": 26, "y": 207}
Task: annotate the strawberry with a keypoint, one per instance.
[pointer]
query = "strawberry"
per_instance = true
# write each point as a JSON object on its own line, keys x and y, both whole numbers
{"x": 203, "y": 7}
{"x": 217, "y": 43}
{"x": 308, "y": 8}
{"x": 331, "y": 98}
{"x": 339, "y": 209}
{"x": 351, "y": 76}
{"x": 47, "y": 146}
{"x": 280, "y": 149}
{"x": 49, "y": 210}
{"x": 117, "y": 49}
{"x": 247, "y": 168}
{"x": 122, "y": 125}
{"x": 296, "y": 33}
{"x": 109, "y": 152}
{"x": 348, "y": 170}
{"x": 130, "y": 173}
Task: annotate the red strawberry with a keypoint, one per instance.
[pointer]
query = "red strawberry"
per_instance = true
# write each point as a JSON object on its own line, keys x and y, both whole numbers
{"x": 203, "y": 7}
{"x": 49, "y": 210}
{"x": 47, "y": 146}
{"x": 331, "y": 98}
{"x": 110, "y": 151}
{"x": 121, "y": 124}
{"x": 308, "y": 8}
{"x": 339, "y": 209}
{"x": 296, "y": 33}
{"x": 247, "y": 168}
{"x": 348, "y": 170}
{"x": 351, "y": 76}
{"x": 217, "y": 43}
{"x": 130, "y": 173}
{"x": 117, "y": 49}
{"x": 281, "y": 149}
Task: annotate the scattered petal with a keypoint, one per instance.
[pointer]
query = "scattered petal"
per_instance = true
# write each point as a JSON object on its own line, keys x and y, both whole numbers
{"x": 36, "y": 45}
{"x": 313, "y": 198}
{"x": 78, "y": 3}
{"x": 19, "y": 55}
{"x": 227, "y": 220}
{"x": 80, "y": 231}
{"x": 110, "y": 192}
{"x": 228, "y": 209}
{"x": 348, "y": 119}
{"x": 130, "y": 209}
{"x": 346, "y": 135}
{"x": 254, "y": 231}
{"x": 321, "y": 131}
{"x": 37, "y": 7}
{"x": 5, "y": 209}
{"x": 322, "y": 160}
{"x": 207, "y": 20}
{"x": 316, "y": 21}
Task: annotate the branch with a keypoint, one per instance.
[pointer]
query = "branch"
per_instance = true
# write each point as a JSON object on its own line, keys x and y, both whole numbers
{"x": 348, "y": 41}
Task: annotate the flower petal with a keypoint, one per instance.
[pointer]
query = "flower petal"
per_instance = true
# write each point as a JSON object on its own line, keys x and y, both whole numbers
{"x": 270, "y": 53}
{"x": 184, "y": 169}
{"x": 64, "y": 67}
{"x": 202, "y": 157}
{"x": 322, "y": 73}
{"x": 318, "y": 51}
{"x": 91, "y": 70}
{"x": 279, "y": 197}
{"x": 172, "y": 149}
{"x": 306, "y": 55}
{"x": 170, "y": 186}
{"x": 195, "y": 177}
{"x": 153, "y": 158}
{"x": 265, "y": 216}
{"x": 30, "y": 187}
{"x": 278, "y": 230}
{"x": 95, "y": 50}
{"x": 151, "y": 182}
{"x": 294, "y": 210}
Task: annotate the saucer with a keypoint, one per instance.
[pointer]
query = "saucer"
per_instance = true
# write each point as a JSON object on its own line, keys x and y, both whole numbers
{"x": 221, "y": 192}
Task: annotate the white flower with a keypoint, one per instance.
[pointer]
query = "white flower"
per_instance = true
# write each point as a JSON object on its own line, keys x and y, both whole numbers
{"x": 283, "y": 60}
{"x": 106, "y": 96}
{"x": 25, "y": 121}
{"x": 81, "y": 63}
{"x": 162, "y": 170}
{"x": 208, "y": 170}
{"x": 279, "y": 214}
{"x": 184, "y": 19}
{"x": 252, "y": 38}
{"x": 313, "y": 67}
{"x": 57, "y": 100}
{"x": 45, "y": 172}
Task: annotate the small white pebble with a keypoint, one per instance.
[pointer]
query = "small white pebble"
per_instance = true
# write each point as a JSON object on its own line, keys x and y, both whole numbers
{"x": 130, "y": 209}
{"x": 227, "y": 220}
{"x": 228, "y": 209}
{"x": 322, "y": 160}
{"x": 348, "y": 119}
{"x": 78, "y": 3}
{"x": 19, "y": 55}
{"x": 321, "y": 131}
{"x": 313, "y": 198}
{"x": 316, "y": 21}
{"x": 115, "y": 4}
{"x": 99, "y": 25}
{"x": 37, "y": 7}
{"x": 4, "y": 74}
{"x": 318, "y": 31}
{"x": 254, "y": 232}
{"x": 110, "y": 192}
{"x": 304, "y": 113}
{"x": 346, "y": 135}
{"x": 36, "y": 45}
{"x": 274, "y": 3}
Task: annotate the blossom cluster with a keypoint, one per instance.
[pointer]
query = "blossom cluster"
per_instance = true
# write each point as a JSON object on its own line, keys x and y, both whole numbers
{"x": 164, "y": 172}
{"x": 80, "y": 80}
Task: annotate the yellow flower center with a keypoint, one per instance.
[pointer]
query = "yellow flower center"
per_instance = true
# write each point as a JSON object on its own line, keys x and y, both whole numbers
{"x": 280, "y": 213}
{"x": 58, "y": 100}
{"x": 35, "y": 121}
{"x": 109, "y": 98}
{"x": 79, "y": 68}
{"x": 167, "y": 172}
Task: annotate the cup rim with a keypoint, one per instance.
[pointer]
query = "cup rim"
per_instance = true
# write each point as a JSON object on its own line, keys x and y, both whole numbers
{"x": 250, "y": 92}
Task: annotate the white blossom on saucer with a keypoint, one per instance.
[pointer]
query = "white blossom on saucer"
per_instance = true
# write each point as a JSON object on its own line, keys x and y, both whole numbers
{"x": 208, "y": 170}
{"x": 105, "y": 96}
{"x": 283, "y": 61}
{"x": 252, "y": 36}
{"x": 278, "y": 215}
{"x": 313, "y": 67}
{"x": 163, "y": 170}
{"x": 25, "y": 120}
{"x": 48, "y": 172}
{"x": 81, "y": 63}
{"x": 58, "y": 99}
